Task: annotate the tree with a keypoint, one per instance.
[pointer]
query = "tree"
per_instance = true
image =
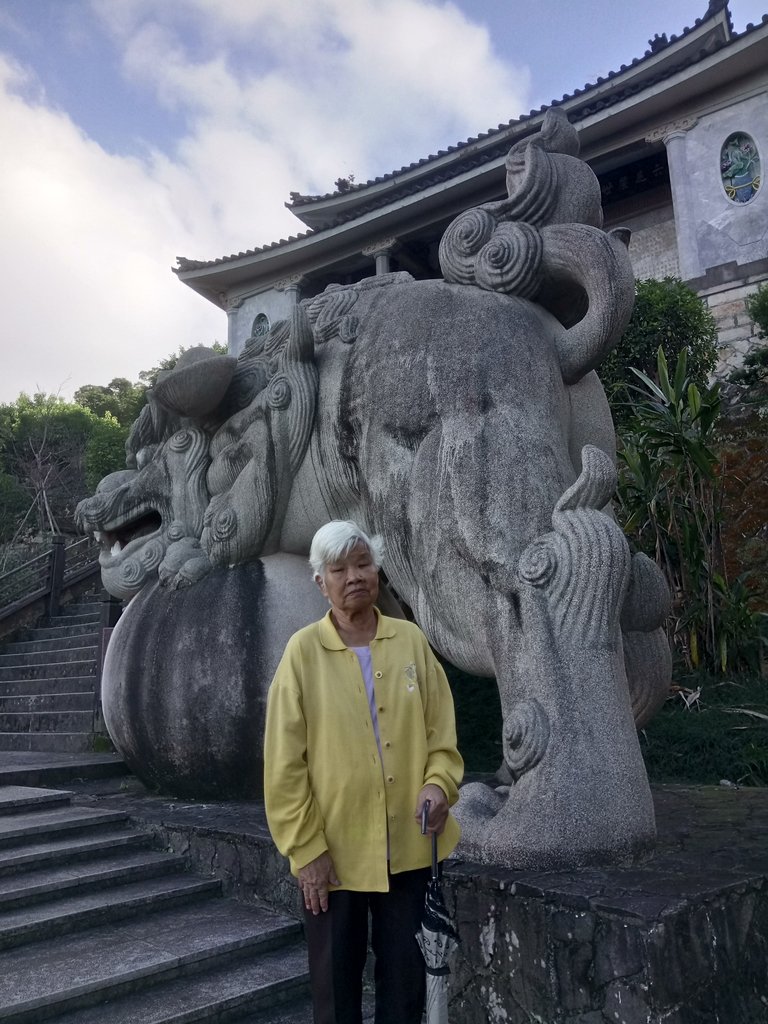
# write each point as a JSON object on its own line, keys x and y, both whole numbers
{"x": 120, "y": 399}
{"x": 105, "y": 450}
{"x": 46, "y": 445}
{"x": 667, "y": 315}
{"x": 53, "y": 453}
{"x": 149, "y": 377}
{"x": 14, "y": 502}
{"x": 45, "y": 451}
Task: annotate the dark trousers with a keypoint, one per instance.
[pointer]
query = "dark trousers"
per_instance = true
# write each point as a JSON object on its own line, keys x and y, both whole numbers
{"x": 338, "y": 944}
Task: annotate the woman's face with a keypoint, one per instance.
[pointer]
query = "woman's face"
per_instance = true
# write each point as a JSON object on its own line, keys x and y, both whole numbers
{"x": 352, "y": 584}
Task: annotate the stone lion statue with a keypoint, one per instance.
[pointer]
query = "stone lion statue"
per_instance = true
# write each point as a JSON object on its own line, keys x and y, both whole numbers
{"x": 463, "y": 421}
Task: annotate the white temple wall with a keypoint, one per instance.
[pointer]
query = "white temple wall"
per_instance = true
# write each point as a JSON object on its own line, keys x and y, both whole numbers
{"x": 712, "y": 229}
{"x": 273, "y": 304}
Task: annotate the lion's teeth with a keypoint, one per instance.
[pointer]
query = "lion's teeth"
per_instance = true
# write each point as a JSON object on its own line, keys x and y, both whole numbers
{"x": 97, "y": 536}
{"x": 117, "y": 547}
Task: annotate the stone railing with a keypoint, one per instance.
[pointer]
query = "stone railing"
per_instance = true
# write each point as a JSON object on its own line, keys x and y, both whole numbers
{"x": 39, "y": 584}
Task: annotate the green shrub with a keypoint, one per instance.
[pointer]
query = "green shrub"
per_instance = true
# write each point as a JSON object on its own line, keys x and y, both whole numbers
{"x": 667, "y": 315}
{"x": 478, "y": 720}
{"x": 757, "y": 307}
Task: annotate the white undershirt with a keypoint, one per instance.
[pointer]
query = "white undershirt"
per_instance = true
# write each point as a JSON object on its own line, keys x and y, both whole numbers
{"x": 366, "y": 667}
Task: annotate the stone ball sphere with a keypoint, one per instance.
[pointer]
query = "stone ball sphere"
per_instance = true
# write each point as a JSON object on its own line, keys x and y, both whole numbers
{"x": 186, "y": 675}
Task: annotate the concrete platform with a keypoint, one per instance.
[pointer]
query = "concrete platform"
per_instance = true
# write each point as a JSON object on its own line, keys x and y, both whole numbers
{"x": 681, "y": 939}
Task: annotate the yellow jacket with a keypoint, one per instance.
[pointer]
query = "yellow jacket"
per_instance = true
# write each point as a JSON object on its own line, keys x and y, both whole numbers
{"x": 325, "y": 787}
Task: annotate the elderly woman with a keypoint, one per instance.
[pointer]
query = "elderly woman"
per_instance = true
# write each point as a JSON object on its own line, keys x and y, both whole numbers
{"x": 360, "y": 734}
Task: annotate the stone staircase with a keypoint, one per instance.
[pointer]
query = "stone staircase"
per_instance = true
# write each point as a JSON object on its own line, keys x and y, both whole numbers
{"x": 98, "y": 928}
{"x": 48, "y": 684}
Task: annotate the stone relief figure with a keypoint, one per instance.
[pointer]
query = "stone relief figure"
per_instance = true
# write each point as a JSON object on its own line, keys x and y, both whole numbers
{"x": 462, "y": 420}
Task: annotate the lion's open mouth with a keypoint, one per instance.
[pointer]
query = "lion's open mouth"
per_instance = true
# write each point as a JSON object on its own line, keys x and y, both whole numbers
{"x": 116, "y": 538}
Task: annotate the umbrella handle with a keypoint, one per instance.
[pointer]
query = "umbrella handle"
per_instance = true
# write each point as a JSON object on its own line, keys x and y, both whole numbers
{"x": 424, "y": 822}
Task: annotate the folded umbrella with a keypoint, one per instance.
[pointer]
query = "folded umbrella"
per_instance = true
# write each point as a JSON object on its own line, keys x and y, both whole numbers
{"x": 437, "y": 938}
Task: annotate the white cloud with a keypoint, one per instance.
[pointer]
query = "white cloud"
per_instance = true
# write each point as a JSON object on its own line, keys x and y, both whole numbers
{"x": 87, "y": 292}
{"x": 331, "y": 86}
{"x": 274, "y": 97}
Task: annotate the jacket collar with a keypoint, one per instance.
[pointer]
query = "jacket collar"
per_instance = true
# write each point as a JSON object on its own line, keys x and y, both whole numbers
{"x": 330, "y": 639}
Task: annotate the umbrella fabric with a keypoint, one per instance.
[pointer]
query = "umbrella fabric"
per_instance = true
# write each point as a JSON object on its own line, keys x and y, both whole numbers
{"x": 437, "y": 939}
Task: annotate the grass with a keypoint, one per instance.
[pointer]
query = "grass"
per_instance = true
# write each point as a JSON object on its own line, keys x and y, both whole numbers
{"x": 722, "y": 735}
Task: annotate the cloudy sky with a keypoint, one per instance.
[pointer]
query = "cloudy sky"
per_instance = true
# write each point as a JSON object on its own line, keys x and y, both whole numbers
{"x": 135, "y": 131}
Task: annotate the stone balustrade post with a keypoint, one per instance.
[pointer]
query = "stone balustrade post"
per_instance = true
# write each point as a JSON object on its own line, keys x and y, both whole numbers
{"x": 56, "y": 575}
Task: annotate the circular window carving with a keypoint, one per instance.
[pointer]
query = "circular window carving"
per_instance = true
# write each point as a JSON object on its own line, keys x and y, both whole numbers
{"x": 260, "y": 327}
{"x": 740, "y": 167}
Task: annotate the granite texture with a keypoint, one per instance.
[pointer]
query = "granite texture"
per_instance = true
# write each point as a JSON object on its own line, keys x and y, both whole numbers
{"x": 681, "y": 938}
{"x": 454, "y": 418}
{"x": 185, "y": 679}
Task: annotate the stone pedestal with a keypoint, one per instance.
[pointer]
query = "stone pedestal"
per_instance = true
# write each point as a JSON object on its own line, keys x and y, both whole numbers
{"x": 681, "y": 939}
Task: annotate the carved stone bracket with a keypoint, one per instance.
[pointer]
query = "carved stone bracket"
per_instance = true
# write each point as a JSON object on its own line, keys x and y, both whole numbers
{"x": 672, "y": 129}
{"x": 292, "y": 285}
{"x": 231, "y": 303}
{"x": 381, "y": 250}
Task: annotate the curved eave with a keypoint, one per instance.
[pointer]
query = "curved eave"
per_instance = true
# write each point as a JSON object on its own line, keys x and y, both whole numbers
{"x": 325, "y": 211}
{"x": 609, "y": 129}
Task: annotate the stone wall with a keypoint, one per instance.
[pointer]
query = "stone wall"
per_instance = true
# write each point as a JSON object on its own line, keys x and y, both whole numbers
{"x": 737, "y": 334}
{"x": 653, "y": 246}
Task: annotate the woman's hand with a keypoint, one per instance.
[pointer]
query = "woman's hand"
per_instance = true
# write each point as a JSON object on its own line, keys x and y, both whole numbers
{"x": 314, "y": 879}
{"x": 438, "y": 808}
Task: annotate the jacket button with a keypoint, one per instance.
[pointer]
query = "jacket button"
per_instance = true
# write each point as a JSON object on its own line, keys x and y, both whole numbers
{"x": 378, "y": 674}
{"x": 390, "y": 778}
{"x": 381, "y": 707}
{"x": 387, "y": 744}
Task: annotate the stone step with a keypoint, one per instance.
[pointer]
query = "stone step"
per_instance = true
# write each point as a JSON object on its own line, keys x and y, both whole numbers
{"x": 74, "y": 620}
{"x": 78, "y": 912}
{"x": 48, "y": 702}
{"x": 46, "y": 721}
{"x": 220, "y": 993}
{"x": 79, "y": 608}
{"x": 68, "y": 684}
{"x": 70, "y": 849}
{"x": 56, "y": 656}
{"x": 53, "y": 670}
{"x": 39, "y": 645}
{"x": 17, "y": 829}
{"x": 298, "y": 1011}
{"x": 40, "y": 883}
{"x": 58, "y": 768}
{"x": 47, "y": 742}
{"x": 20, "y": 799}
{"x": 56, "y": 632}
{"x": 111, "y": 960}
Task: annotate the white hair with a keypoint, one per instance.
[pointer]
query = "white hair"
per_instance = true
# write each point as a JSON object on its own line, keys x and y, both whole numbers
{"x": 335, "y": 540}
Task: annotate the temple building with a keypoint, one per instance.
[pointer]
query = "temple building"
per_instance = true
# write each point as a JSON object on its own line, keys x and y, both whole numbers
{"x": 676, "y": 137}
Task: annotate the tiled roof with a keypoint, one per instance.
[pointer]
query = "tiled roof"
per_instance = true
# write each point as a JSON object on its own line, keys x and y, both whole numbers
{"x": 590, "y": 105}
{"x": 656, "y": 46}
{"x": 185, "y": 264}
